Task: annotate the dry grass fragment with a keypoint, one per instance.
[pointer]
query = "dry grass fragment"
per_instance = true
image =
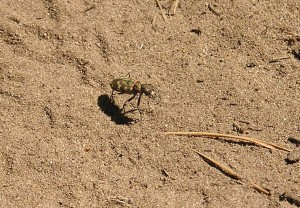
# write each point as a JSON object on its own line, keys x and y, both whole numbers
{"x": 260, "y": 188}
{"x": 226, "y": 170}
{"x": 174, "y": 7}
{"x": 278, "y": 59}
{"x": 292, "y": 34}
{"x": 240, "y": 138}
{"x": 220, "y": 166}
{"x": 231, "y": 173}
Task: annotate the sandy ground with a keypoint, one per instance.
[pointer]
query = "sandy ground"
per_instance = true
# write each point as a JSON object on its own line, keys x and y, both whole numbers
{"x": 222, "y": 66}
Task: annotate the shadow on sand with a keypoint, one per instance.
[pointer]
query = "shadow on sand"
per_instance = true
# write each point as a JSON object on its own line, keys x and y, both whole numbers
{"x": 108, "y": 107}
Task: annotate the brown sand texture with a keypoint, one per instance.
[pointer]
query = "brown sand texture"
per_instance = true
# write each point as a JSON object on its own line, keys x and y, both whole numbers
{"x": 228, "y": 67}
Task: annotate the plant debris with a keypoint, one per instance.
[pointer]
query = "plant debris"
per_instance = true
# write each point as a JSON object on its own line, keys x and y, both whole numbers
{"x": 240, "y": 138}
{"x": 228, "y": 171}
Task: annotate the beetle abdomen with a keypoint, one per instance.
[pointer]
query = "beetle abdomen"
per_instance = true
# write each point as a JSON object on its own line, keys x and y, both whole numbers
{"x": 124, "y": 86}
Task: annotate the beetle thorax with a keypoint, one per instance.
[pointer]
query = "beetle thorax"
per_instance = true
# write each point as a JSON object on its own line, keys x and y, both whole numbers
{"x": 137, "y": 87}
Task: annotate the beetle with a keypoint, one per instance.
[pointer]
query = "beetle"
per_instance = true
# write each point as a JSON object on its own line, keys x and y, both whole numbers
{"x": 133, "y": 87}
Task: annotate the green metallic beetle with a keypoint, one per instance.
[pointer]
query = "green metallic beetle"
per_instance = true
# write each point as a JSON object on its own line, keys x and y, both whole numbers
{"x": 130, "y": 86}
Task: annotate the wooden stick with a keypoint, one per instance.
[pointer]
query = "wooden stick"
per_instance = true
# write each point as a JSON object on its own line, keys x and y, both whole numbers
{"x": 248, "y": 139}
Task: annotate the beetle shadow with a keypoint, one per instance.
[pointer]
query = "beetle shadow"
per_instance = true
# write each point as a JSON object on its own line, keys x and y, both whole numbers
{"x": 108, "y": 107}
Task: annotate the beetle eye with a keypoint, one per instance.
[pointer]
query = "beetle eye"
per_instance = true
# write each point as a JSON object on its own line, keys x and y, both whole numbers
{"x": 150, "y": 93}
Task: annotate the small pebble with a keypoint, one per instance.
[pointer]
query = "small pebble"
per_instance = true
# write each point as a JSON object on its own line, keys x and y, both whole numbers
{"x": 200, "y": 80}
{"x": 197, "y": 31}
{"x": 293, "y": 156}
{"x": 250, "y": 65}
{"x": 294, "y": 140}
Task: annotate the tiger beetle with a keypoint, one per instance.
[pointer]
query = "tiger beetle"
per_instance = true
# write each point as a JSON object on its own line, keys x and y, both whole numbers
{"x": 132, "y": 87}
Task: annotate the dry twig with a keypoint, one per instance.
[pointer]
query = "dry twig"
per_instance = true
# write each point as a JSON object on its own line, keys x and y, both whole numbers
{"x": 260, "y": 188}
{"x": 247, "y": 139}
{"x": 220, "y": 166}
{"x": 231, "y": 173}
{"x": 278, "y": 59}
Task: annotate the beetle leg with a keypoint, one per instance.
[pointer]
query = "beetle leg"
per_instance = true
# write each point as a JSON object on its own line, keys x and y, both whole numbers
{"x": 139, "y": 101}
{"x": 127, "y": 101}
{"x": 148, "y": 103}
{"x": 112, "y": 95}
{"x": 138, "y": 104}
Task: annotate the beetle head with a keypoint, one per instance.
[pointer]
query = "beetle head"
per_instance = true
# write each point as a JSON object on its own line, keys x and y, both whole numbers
{"x": 148, "y": 90}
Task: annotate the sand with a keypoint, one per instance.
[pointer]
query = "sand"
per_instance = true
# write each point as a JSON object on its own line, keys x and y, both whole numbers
{"x": 229, "y": 67}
